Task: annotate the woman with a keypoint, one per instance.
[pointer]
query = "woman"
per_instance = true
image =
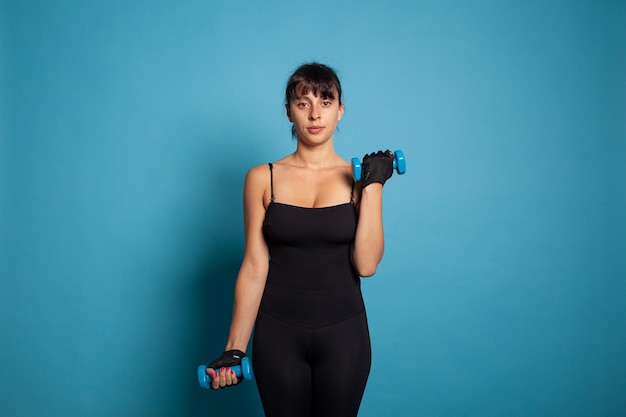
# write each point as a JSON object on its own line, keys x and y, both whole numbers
{"x": 311, "y": 232}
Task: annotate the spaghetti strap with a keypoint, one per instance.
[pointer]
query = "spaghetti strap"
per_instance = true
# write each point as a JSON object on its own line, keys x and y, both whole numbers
{"x": 271, "y": 183}
{"x": 352, "y": 193}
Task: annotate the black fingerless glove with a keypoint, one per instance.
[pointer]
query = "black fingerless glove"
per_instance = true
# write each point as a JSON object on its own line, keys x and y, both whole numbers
{"x": 228, "y": 359}
{"x": 376, "y": 167}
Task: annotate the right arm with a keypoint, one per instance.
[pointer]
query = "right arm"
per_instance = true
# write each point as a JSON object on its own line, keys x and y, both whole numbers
{"x": 254, "y": 267}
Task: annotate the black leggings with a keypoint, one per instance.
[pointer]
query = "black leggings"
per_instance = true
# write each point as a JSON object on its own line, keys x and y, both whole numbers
{"x": 304, "y": 372}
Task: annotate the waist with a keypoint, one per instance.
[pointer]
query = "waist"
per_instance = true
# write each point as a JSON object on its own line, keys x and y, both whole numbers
{"x": 310, "y": 308}
{"x": 312, "y": 270}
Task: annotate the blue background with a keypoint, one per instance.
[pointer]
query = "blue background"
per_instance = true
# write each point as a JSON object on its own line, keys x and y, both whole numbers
{"x": 126, "y": 131}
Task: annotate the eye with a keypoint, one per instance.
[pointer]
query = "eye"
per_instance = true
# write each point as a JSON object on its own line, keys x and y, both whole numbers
{"x": 302, "y": 104}
{"x": 327, "y": 103}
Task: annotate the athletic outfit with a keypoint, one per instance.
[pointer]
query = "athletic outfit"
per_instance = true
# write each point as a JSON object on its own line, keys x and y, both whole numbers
{"x": 311, "y": 348}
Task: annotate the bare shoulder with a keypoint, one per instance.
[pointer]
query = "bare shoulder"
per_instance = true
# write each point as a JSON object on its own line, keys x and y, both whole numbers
{"x": 258, "y": 173}
{"x": 257, "y": 186}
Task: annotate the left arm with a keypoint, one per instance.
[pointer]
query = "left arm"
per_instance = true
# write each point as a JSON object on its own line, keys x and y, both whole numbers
{"x": 369, "y": 241}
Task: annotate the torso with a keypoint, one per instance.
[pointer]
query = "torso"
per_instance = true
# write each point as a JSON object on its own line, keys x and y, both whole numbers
{"x": 311, "y": 280}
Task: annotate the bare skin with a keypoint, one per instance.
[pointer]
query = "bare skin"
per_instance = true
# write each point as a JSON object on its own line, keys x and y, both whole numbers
{"x": 313, "y": 176}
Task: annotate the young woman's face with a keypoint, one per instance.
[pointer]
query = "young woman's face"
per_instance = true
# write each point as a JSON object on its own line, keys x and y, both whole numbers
{"x": 314, "y": 118}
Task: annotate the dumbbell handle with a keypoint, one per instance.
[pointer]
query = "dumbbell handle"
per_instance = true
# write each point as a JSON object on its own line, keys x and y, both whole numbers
{"x": 244, "y": 370}
{"x": 399, "y": 164}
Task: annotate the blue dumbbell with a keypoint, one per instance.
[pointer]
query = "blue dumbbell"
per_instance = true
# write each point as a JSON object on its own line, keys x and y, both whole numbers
{"x": 244, "y": 370}
{"x": 399, "y": 164}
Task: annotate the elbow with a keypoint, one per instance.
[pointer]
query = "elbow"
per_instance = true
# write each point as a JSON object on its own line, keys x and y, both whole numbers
{"x": 367, "y": 269}
{"x": 366, "y": 266}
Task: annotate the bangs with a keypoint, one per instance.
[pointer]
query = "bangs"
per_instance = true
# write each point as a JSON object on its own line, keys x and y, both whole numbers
{"x": 314, "y": 78}
{"x": 319, "y": 88}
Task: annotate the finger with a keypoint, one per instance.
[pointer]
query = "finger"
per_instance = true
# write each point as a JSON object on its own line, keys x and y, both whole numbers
{"x": 226, "y": 377}
{"x": 221, "y": 379}
{"x": 229, "y": 376}
{"x": 214, "y": 378}
{"x": 212, "y": 373}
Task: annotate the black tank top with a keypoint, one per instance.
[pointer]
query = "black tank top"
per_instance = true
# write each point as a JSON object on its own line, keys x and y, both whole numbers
{"x": 311, "y": 280}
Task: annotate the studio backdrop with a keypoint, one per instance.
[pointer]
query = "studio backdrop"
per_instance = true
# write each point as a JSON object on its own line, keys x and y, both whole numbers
{"x": 126, "y": 130}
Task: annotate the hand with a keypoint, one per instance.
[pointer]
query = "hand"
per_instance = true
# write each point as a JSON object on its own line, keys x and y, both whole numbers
{"x": 376, "y": 167}
{"x": 222, "y": 378}
{"x": 220, "y": 372}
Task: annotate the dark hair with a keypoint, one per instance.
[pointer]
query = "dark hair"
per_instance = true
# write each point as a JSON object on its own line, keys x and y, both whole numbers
{"x": 313, "y": 77}
{"x": 322, "y": 80}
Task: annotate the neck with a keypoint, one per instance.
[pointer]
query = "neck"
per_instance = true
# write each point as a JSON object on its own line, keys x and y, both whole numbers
{"x": 316, "y": 156}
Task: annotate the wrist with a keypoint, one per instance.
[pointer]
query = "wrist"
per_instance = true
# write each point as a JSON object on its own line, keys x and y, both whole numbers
{"x": 373, "y": 188}
{"x": 234, "y": 346}
{"x": 373, "y": 181}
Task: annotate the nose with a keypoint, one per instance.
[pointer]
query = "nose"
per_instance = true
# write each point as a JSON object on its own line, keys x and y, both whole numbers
{"x": 315, "y": 113}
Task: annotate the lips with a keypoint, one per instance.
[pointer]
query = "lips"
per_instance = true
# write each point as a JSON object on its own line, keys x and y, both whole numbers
{"x": 314, "y": 129}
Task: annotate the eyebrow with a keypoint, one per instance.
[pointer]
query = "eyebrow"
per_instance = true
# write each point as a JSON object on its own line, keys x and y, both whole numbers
{"x": 306, "y": 98}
